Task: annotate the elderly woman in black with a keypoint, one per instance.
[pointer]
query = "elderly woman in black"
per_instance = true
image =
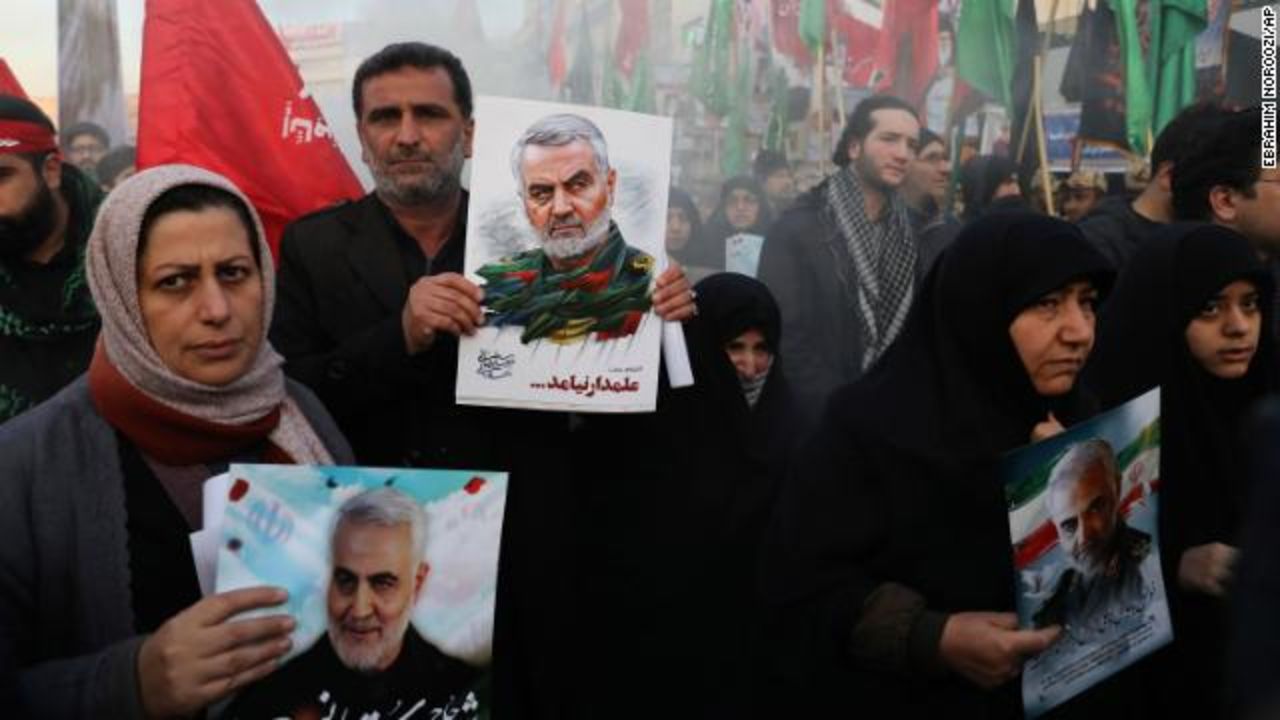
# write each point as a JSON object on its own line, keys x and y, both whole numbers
{"x": 100, "y": 610}
{"x": 890, "y": 572}
{"x": 1190, "y": 314}
{"x": 743, "y": 208}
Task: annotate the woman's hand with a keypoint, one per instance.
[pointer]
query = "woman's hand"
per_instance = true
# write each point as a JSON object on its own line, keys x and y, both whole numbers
{"x": 199, "y": 657}
{"x": 1207, "y": 568}
{"x": 988, "y": 648}
{"x": 1046, "y": 428}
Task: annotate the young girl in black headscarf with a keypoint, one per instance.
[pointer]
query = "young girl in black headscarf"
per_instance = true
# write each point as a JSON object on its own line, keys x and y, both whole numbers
{"x": 1190, "y": 314}
{"x": 890, "y": 571}
{"x": 674, "y": 507}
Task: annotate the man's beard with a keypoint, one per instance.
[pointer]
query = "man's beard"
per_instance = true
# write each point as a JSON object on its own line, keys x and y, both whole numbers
{"x": 572, "y": 246}
{"x": 1093, "y": 561}
{"x": 366, "y": 658}
{"x": 437, "y": 183}
{"x": 865, "y": 171}
{"x": 22, "y": 234}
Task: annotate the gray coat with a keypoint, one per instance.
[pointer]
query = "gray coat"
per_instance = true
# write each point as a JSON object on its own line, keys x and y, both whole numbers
{"x": 67, "y": 642}
{"x": 806, "y": 264}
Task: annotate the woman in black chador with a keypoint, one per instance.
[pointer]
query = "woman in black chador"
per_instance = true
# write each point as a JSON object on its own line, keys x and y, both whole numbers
{"x": 1191, "y": 314}
{"x": 890, "y": 570}
{"x": 674, "y": 508}
{"x": 743, "y": 208}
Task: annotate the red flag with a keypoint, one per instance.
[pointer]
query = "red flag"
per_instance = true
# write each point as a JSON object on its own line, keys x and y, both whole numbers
{"x": 908, "y": 50}
{"x": 9, "y": 84}
{"x": 219, "y": 91}
{"x": 557, "y": 61}
{"x": 857, "y": 37}
{"x": 786, "y": 31}
{"x": 860, "y": 44}
{"x": 633, "y": 34}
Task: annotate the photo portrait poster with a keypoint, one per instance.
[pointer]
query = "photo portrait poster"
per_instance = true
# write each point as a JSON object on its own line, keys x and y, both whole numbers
{"x": 1082, "y": 517}
{"x": 565, "y": 236}
{"x": 391, "y": 575}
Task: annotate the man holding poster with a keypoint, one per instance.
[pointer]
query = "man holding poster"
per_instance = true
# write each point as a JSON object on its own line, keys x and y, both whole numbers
{"x": 371, "y": 303}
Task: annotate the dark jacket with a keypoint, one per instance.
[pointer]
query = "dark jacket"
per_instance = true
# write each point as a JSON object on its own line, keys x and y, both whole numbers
{"x": 808, "y": 268}
{"x": 344, "y": 277}
{"x": 68, "y": 638}
{"x": 1253, "y": 678}
{"x": 1116, "y": 230}
{"x": 48, "y": 324}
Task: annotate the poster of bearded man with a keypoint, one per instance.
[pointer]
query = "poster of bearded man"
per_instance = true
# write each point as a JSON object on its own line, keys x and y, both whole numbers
{"x": 565, "y": 231}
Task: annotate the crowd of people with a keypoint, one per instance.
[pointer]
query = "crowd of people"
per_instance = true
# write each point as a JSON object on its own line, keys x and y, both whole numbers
{"x": 823, "y": 537}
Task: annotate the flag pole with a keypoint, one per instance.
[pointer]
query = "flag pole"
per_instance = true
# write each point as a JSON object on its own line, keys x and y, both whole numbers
{"x": 819, "y": 87}
{"x": 838, "y": 90}
{"x": 1038, "y": 111}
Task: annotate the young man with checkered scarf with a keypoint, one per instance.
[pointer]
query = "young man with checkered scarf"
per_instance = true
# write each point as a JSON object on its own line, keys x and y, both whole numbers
{"x": 842, "y": 261}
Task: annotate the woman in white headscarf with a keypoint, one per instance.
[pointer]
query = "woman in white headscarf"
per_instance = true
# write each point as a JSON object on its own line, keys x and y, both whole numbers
{"x": 100, "y": 609}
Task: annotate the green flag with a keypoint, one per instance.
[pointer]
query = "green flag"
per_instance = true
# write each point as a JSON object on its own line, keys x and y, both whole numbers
{"x": 812, "y": 25}
{"x": 733, "y": 160}
{"x": 641, "y": 98}
{"x": 986, "y": 46}
{"x": 775, "y": 135}
{"x": 613, "y": 92}
{"x": 710, "y": 80}
{"x": 1137, "y": 75}
{"x": 1180, "y": 21}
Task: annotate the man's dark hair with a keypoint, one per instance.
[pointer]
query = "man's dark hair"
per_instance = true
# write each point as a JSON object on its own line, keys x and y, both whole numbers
{"x": 194, "y": 197}
{"x": 417, "y": 55}
{"x": 85, "y": 127}
{"x": 929, "y": 137}
{"x": 115, "y": 162}
{"x": 1184, "y": 132}
{"x": 768, "y": 162}
{"x": 861, "y": 123}
{"x": 13, "y": 107}
{"x": 1229, "y": 157}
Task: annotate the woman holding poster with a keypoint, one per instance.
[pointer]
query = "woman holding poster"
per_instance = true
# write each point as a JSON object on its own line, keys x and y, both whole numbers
{"x": 1191, "y": 314}
{"x": 890, "y": 572}
{"x": 99, "y": 603}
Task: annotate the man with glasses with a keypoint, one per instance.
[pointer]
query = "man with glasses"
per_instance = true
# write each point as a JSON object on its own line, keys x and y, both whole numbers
{"x": 1223, "y": 182}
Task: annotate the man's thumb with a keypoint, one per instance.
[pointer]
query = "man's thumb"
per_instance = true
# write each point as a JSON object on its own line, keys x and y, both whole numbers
{"x": 1034, "y": 642}
{"x": 1005, "y": 620}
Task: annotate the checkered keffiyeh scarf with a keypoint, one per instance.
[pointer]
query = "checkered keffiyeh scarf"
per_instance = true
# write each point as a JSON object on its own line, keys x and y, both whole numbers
{"x": 884, "y": 260}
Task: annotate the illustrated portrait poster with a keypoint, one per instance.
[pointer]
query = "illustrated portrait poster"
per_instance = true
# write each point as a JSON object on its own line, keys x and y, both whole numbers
{"x": 567, "y": 264}
{"x": 278, "y": 525}
{"x": 1086, "y": 550}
